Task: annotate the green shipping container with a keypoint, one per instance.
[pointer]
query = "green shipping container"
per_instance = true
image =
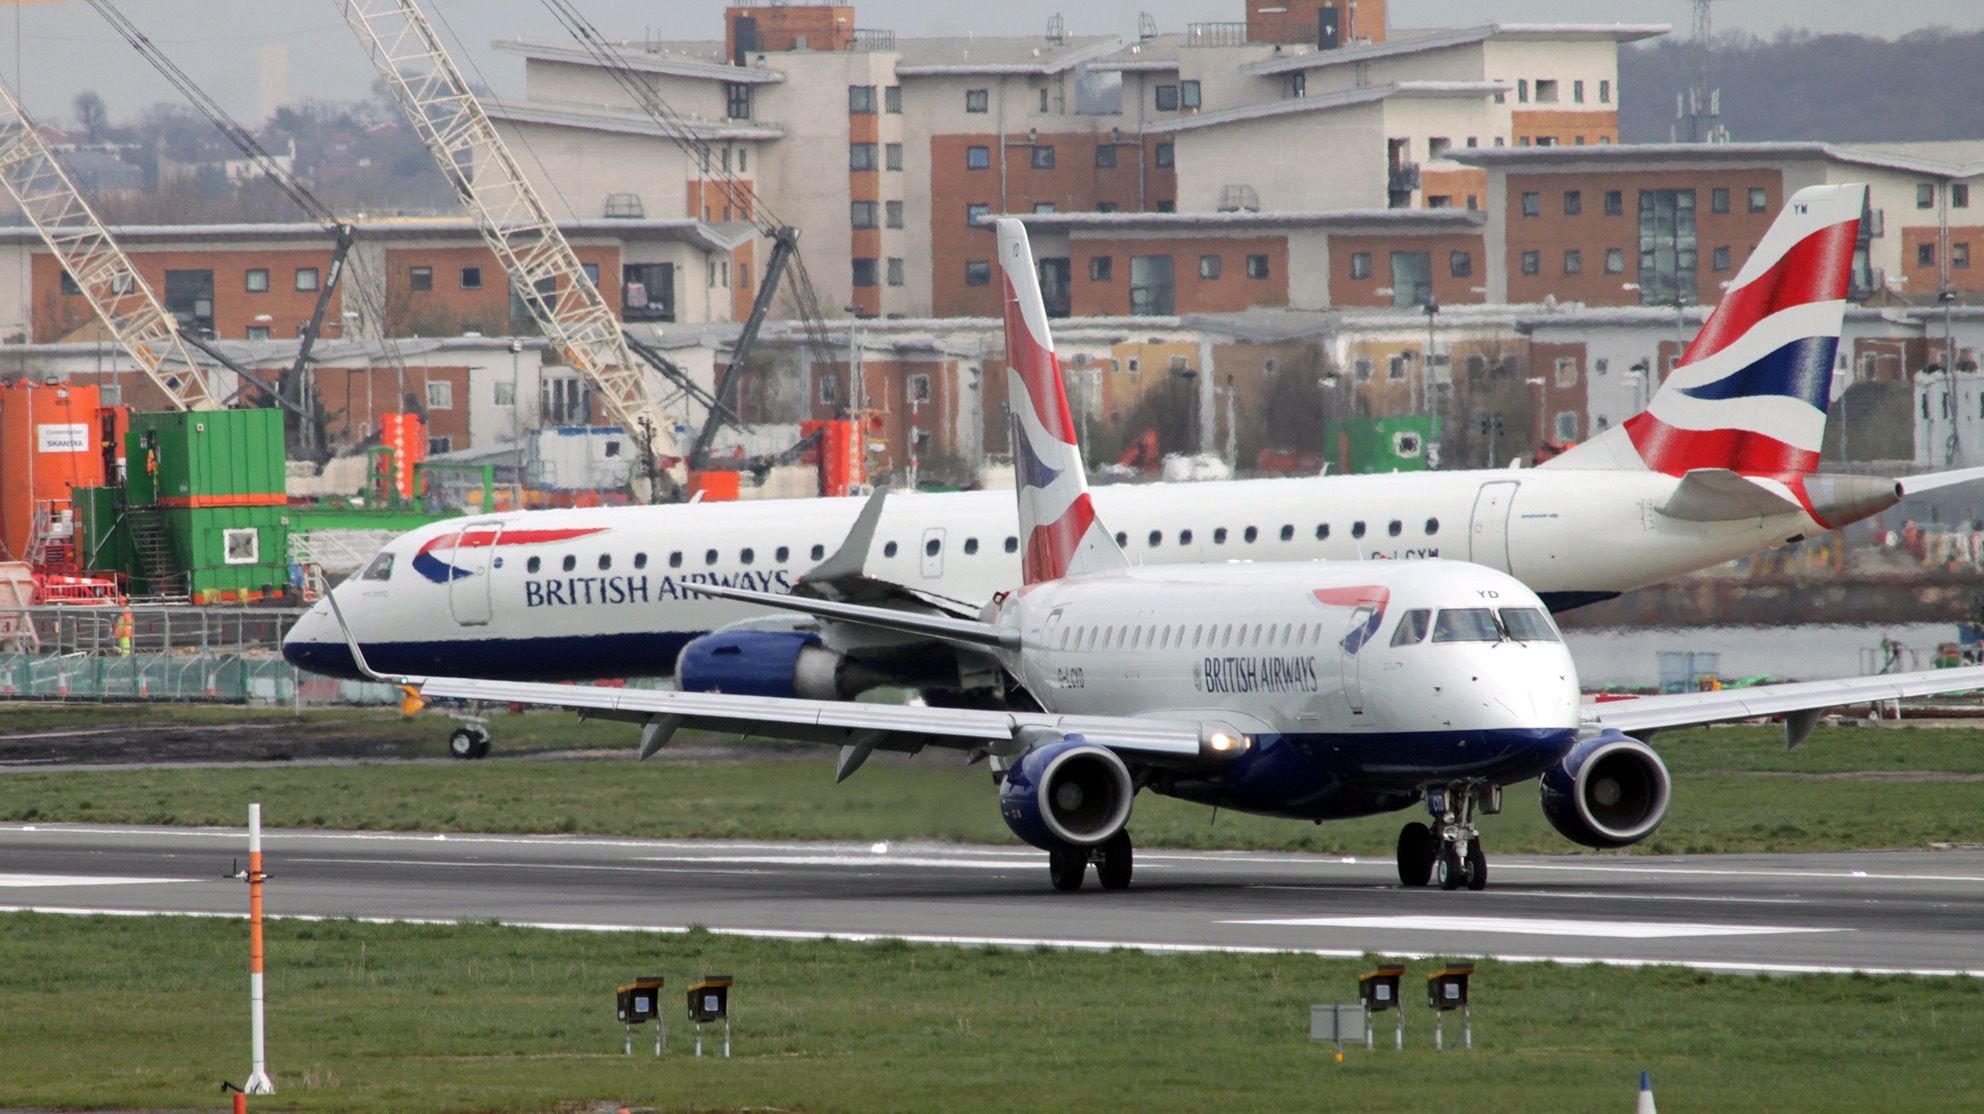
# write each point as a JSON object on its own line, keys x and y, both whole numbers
{"x": 105, "y": 545}
{"x": 1402, "y": 444}
{"x": 202, "y": 456}
{"x": 231, "y": 553}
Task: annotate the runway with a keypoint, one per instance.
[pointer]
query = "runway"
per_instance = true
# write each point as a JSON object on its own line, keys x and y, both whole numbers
{"x": 1886, "y": 912}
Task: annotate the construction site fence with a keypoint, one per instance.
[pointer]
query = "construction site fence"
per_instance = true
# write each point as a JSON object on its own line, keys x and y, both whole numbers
{"x": 163, "y": 653}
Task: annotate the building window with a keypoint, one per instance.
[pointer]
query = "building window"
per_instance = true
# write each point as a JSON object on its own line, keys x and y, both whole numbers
{"x": 737, "y": 100}
{"x": 1567, "y": 371}
{"x": 977, "y": 158}
{"x": 1925, "y": 255}
{"x": 1188, "y": 94}
{"x": 865, "y": 272}
{"x": 1043, "y": 158}
{"x": 976, "y": 100}
{"x": 306, "y": 278}
{"x": 975, "y": 212}
{"x": 919, "y": 388}
{"x": 861, "y": 156}
{"x": 256, "y": 281}
{"x": 892, "y": 156}
{"x": 505, "y": 394}
{"x": 440, "y": 395}
{"x": 1532, "y": 262}
{"x": 1604, "y": 91}
{"x": 1573, "y": 202}
{"x": 1615, "y": 203}
{"x": 1043, "y": 206}
{"x": 1165, "y": 156}
{"x": 437, "y": 446}
{"x": 471, "y": 278}
{"x": 1412, "y": 278}
{"x": 1925, "y": 195}
{"x": 1209, "y": 266}
{"x": 1105, "y": 156}
{"x": 892, "y": 211}
{"x": 829, "y": 389}
{"x": 1546, "y": 90}
{"x": 1667, "y": 247}
{"x": 420, "y": 278}
{"x": 892, "y": 100}
{"x": 1532, "y": 203}
{"x": 1718, "y": 200}
{"x": 1522, "y": 90}
{"x": 1577, "y": 92}
{"x": 861, "y": 100}
{"x": 1567, "y": 425}
{"x": 647, "y": 291}
{"x": 1759, "y": 199}
{"x": 258, "y": 332}
{"x": 1959, "y": 195}
{"x": 1257, "y": 266}
{"x": 895, "y": 272}
{"x": 1167, "y": 98}
{"x": 1615, "y": 261}
{"x": 1395, "y": 367}
{"x": 978, "y": 272}
{"x": 1960, "y": 255}
{"x": 1153, "y": 292}
{"x": 1101, "y": 268}
{"x": 1360, "y": 264}
{"x": 862, "y": 214}
{"x": 1573, "y": 261}
{"x": 1720, "y": 259}
{"x": 1460, "y": 264}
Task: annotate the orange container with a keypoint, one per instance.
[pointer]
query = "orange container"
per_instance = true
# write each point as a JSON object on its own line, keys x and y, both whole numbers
{"x": 716, "y": 486}
{"x": 49, "y": 444}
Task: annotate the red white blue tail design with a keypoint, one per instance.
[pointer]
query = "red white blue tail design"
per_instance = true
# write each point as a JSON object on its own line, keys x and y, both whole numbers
{"x": 1057, "y": 518}
{"x": 1750, "y": 393}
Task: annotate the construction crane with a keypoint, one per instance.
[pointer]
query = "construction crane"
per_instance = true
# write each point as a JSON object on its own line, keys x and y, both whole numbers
{"x": 742, "y": 200}
{"x": 543, "y": 269}
{"x": 104, "y": 275}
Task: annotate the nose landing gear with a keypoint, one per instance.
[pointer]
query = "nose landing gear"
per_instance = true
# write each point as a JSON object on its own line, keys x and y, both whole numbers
{"x": 1449, "y": 852}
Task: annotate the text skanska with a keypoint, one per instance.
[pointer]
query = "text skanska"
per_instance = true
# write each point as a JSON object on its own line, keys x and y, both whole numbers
{"x": 1264, "y": 674}
{"x": 580, "y": 591}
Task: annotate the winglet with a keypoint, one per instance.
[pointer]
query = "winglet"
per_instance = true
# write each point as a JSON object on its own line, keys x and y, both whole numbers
{"x": 851, "y": 559}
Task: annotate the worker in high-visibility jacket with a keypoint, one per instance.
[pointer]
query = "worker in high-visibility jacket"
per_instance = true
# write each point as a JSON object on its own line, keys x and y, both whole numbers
{"x": 120, "y": 631}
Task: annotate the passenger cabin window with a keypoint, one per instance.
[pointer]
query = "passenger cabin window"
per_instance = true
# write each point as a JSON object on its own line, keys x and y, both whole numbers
{"x": 1357, "y": 529}
{"x": 1184, "y": 537}
{"x": 709, "y": 557}
{"x": 889, "y": 550}
{"x": 675, "y": 559}
{"x": 746, "y": 555}
{"x": 1322, "y": 531}
{"x": 1432, "y": 526}
{"x": 640, "y": 560}
{"x": 1288, "y": 533}
{"x": 1466, "y": 624}
{"x": 1396, "y": 528}
{"x": 1156, "y": 538}
{"x": 1219, "y": 536}
{"x": 1250, "y": 534}
{"x": 1122, "y": 539}
{"x": 1012, "y": 545}
{"x": 381, "y": 567}
{"x": 970, "y": 546}
{"x": 1527, "y": 624}
{"x": 819, "y": 552}
{"x": 571, "y": 562}
{"x": 531, "y": 566}
{"x": 781, "y": 554}
{"x": 605, "y": 561}
{"x": 1412, "y": 627}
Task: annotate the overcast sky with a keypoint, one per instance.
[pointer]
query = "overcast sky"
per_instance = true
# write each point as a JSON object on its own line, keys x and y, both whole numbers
{"x": 52, "y": 52}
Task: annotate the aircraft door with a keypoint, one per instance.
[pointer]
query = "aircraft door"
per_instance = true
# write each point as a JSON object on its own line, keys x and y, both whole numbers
{"x": 1351, "y": 646}
{"x": 933, "y": 553}
{"x": 473, "y": 561}
{"x": 1488, "y": 532}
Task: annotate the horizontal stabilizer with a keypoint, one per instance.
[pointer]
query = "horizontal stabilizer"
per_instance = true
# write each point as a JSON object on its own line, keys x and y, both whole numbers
{"x": 1930, "y": 481}
{"x": 1720, "y": 495}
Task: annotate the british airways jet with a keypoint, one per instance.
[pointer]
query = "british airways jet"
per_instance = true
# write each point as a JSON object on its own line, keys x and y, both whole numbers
{"x": 1720, "y": 465}
{"x": 1306, "y": 690}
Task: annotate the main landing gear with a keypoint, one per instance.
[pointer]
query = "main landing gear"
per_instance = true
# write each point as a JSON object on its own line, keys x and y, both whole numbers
{"x": 1449, "y": 852}
{"x": 1112, "y": 859}
{"x": 469, "y": 741}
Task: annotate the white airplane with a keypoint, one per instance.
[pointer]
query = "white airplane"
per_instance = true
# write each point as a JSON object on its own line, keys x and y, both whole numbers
{"x": 1720, "y": 465}
{"x": 1306, "y": 690}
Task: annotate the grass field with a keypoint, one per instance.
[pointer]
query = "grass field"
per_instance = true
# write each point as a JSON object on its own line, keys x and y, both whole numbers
{"x": 1736, "y": 789}
{"x": 151, "y": 1012}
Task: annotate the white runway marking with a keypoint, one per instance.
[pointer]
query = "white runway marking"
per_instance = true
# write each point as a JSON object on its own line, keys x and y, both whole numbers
{"x": 1032, "y": 862}
{"x": 31, "y": 881}
{"x": 1526, "y": 926}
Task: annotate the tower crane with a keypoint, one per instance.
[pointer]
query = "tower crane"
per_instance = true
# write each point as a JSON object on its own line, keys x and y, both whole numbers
{"x": 542, "y": 267}
{"x": 79, "y": 241}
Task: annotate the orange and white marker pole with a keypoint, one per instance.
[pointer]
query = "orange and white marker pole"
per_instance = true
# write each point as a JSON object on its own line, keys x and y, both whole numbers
{"x": 258, "y": 1079}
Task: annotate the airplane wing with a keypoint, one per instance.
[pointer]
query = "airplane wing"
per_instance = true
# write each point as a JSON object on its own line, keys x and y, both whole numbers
{"x": 1930, "y": 481}
{"x": 857, "y": 728}
{"x": 844, "y": 576}
{"x": 968, "y": 632}
{"x": 1800, "y": 703}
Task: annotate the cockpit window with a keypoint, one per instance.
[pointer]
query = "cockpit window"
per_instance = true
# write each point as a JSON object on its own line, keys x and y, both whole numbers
{"x": 1466, "y": 624}
{"x": 380, "y": 569}
{"x": 1412, "y": 628}
{"x": 1527, "y": 624}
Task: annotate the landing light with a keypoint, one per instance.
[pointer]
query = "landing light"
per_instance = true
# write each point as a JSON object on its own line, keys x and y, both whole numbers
{"x": 1223, "y": 741}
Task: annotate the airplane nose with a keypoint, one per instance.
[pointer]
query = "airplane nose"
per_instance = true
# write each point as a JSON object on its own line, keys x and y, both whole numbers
{"x": 316, "y": 644}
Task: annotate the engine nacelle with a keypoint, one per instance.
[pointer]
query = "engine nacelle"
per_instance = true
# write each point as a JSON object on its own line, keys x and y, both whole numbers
{"x": 1067, "y": 794}
{"x": 1609, "y": 791}
{"x": 760, "y": 663}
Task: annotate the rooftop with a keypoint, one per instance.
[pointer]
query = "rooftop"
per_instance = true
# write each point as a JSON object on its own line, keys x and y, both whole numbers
{"x": 712, "y": 236}
{"x": 1403, "y": 42}
{"x": 691, "y": 60}
{"x": 622, "y": 121}
{"x": 1025, "y": 54}
{"x": 1956, "y": 159}
{"x": 1396, "y": 219}
{"x": 1323, "y": 102}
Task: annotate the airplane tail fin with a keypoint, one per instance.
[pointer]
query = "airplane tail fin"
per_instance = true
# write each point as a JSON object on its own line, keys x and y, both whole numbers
{"x": 1057, "y": 519}
{"x": 1750, "y": 393}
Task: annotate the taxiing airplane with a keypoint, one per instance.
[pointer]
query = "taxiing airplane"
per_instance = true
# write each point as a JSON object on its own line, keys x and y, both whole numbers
{"x": 1720, "y": 465}
{"x": 1306, "y": 690}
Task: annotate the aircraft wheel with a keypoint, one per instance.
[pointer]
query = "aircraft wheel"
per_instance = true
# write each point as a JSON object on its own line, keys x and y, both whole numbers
{"x": 1477, "y": 866}
{"x": 1447, "y": 872}
{"x": 1113, "y": 870}
{"x": 1416, "y": 851}
{"x": 1066, "y": 869}
{"x": 468, "y": 743}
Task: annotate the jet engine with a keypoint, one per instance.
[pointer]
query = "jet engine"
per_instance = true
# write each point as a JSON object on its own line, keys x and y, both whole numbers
{"x": 1609, "y": 791}
{"x": 760, "y": 663}
{"x": 1068, "y": 794}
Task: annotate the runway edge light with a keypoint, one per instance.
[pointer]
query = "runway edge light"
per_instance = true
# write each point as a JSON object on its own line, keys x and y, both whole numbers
{"x": 1646, "y": 1095}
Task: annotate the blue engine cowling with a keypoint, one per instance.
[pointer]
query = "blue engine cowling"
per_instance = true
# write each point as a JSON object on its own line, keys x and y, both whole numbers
{"x": 759, "y": 663}
{"x": 1609, "y": 791}
{"x": 1066, "y": 795}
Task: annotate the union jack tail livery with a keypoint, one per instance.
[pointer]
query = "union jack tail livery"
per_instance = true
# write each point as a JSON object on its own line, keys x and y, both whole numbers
{"x": 1749, "y": 394}
{"x": 1057, "y": 519}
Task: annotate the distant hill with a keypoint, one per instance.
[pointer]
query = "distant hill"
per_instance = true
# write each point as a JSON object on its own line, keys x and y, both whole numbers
{"x": 1843, "y": 88}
